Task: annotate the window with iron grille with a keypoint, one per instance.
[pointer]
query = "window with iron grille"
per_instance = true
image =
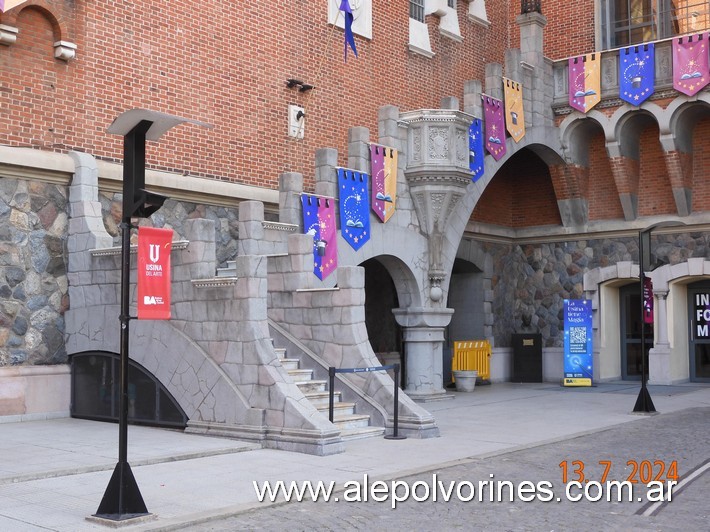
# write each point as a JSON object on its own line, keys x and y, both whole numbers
{"x": 626, "y": 22}
{"x": 416, "y": 10}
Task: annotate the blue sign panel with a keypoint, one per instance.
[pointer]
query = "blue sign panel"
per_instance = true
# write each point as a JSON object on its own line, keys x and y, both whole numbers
{"x": 578, "y": 368}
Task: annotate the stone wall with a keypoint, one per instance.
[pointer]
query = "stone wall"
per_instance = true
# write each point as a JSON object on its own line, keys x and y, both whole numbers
{"x": 531, "y": 281}
{"x": 33, "y": 281}
{"x": 173, "y": 215}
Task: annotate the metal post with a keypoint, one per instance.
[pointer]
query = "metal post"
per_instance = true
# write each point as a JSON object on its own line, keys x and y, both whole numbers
{"x": 331, "y": 385}
{"x": 395, "y": 434}
{"x": 122, "y": 498}
{"x": 644, "y": 403}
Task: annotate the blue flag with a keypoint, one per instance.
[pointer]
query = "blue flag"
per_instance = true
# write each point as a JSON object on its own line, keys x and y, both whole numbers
{"x": 349, "y": 37}
{"x": 475, "y": 149}
{"x": 637, "y": 73}
{"x": 354, "y": 207}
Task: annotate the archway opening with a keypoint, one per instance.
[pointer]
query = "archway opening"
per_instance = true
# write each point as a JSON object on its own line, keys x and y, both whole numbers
{"x": 380, "y": 298}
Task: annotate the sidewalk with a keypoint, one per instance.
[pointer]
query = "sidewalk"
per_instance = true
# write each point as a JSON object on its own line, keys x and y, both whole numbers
{"x": 53, "y": 473}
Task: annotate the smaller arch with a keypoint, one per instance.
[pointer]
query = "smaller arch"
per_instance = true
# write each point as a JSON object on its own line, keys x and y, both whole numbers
{"x": 628, "y": 127}
{"x": 576, "y": 135}
{"x": 49, "y": 11}
{"x": 682, "y": 119}
{"x": 405, "y": 282}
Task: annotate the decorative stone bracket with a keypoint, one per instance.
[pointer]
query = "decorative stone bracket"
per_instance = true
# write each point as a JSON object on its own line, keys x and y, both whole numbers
{"x": 8, "y": 34}
{"x": 438, "y": 175}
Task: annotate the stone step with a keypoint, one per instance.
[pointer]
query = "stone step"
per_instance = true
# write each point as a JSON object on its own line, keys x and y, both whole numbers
{"x": 290, "y": 363}
{"x": 339, "y": 409}
{"x": 352, "y": 421}
{"x": 322, "y": 398}
{"x": 280, "y": 351}
{"x": 300, "y": 375}
{"x": 312, "y": 386}
{"x": 361, "y": 432}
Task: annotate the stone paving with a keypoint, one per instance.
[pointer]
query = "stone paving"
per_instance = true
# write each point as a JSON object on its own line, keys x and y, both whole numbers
{"x": 680, "y": 437}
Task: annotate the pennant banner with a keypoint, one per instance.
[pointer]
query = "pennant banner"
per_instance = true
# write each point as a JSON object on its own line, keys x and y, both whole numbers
{"x": 349, "y": 37}
{"x": 637, "y": 73}
{"x": 495, "y": 126}
{"x": 690, "y": 63}
{"x": 584, "y": 82}
{"x": 383, "y": 169}
{"x": 475, "y": 149}
{"x": 319, "y": 222}
{"x": 514, "y": 117}
{"x": 354, "y": 207}
{"x": 154, "y": 247}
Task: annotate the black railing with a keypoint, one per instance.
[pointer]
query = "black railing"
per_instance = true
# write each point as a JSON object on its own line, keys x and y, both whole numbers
{"x": 331, "y": 392}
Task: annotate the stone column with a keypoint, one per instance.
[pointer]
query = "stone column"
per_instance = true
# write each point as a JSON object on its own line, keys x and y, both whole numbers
{"x": 659, "y": 356}
{"x": 423, "y": 330}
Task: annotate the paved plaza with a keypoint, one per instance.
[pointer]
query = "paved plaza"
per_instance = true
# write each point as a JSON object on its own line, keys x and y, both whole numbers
{"x": 55, "y": 471}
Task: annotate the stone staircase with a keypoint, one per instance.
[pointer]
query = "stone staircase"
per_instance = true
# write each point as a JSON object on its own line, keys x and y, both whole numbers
{"x": 352, "y": 426}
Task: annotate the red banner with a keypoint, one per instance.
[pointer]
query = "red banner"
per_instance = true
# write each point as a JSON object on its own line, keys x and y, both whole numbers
{"x": 154, "y": 247}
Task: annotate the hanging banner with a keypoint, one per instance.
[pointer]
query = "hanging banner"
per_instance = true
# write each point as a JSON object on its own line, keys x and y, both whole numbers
{"x": 637, "y": 73}
{"x": 319, "y": 222}
{"x": 495, "y": 126}
{"x": 578, "y": 355}
{"x": 383, "y": 169}
{"x": 514, "y": 117}
{"x": 154, "y": 247}
{"x": 354, "y": 207}
{"x": 584, "y": 82}
{"x": 647, "y": 300}
{"x": 475, "y": 149}
{"x": 691, "y": 71}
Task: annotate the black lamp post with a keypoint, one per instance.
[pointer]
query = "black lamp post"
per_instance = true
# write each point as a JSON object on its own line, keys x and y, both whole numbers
{"x": 122, "y": 499}
{"x": 644, "y": 403}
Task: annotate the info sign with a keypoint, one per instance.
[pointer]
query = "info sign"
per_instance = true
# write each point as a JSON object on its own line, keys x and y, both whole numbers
{"x": 578, "y": 355}
{"x": 701, "y": 317}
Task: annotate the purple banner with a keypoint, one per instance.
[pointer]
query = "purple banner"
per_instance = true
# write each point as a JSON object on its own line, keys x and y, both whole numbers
{"x": 383, "y": 169}
{"x": 647, "y": 300}
{"x": 495, "y": 126}
{"x": 637, "y": 73}
{"x": 690, "y": 63}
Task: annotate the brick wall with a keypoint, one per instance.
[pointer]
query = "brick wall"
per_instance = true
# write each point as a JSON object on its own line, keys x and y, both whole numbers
{"x": 225, "y": 63}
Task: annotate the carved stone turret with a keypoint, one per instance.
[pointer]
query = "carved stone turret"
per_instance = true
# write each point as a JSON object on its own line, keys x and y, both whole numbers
{"x": 438, "y": 173}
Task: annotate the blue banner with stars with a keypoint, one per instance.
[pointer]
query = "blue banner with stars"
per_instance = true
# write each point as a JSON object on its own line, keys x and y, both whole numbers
{"x": 637, "y": 73}
{"x": 354, "y": 207}
{"x": 475, "y": 149}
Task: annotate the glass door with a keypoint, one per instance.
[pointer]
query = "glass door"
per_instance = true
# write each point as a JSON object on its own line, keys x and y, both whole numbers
{"x": 630, "y": 312}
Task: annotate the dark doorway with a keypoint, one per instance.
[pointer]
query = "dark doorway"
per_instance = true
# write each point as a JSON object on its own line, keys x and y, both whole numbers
{"x": 630, "y": 311}
{"x": 382, "y": 329}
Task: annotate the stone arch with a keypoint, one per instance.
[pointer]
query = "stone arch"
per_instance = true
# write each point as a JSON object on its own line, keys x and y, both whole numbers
{"x": 682, "y": 116}
{"x": 601, "y": 286}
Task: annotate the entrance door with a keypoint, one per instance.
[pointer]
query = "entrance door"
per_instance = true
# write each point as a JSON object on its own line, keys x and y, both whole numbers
{"x": 630, "y": 301}
{"x": 699, "y": 311}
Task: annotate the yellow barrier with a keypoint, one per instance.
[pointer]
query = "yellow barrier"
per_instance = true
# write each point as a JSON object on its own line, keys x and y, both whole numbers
{"x": 472, "y": 355}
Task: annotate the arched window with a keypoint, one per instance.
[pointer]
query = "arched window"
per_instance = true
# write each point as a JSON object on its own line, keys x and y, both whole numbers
{"x": 626, "y": 22}
{"x": 95, "y": 390}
